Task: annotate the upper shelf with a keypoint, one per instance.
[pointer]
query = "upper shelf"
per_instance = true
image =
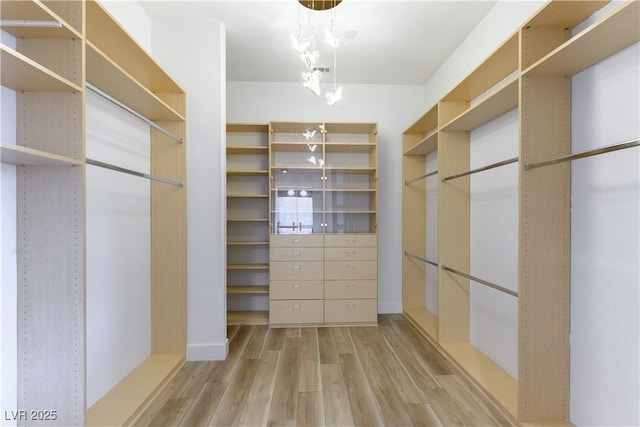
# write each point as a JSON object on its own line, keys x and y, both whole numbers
{"x": 498, "y": 102}
{"x": 247, "y": 150}
{"x": 502, "y": 62}
{"x": 617, "y": 30}
{"x": 25, "y": 75}
{"x": 106, "y": 34}
{"x": 35, "y": 11}
{"x": 426, "y": 145}
{"x": 109, "y": 77}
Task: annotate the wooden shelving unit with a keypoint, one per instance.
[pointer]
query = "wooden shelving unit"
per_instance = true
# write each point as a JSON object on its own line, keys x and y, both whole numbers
{"x": 323, "y": 246}
{"x": 530, "y": 71}
{"x": 48, "y": 70}
{"x": 247, "y": 224}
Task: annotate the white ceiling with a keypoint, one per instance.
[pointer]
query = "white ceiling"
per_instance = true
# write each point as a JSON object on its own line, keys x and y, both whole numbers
{"x": 396, "y": 42}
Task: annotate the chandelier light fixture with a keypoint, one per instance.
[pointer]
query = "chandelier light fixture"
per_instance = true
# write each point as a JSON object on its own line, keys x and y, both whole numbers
{"x": 304, "y": 44}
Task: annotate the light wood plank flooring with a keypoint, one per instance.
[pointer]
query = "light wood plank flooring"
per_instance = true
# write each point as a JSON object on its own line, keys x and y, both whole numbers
{"x": 344, "y": 376}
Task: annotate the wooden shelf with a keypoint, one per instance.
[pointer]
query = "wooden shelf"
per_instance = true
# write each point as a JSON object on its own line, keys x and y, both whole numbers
{"x": 247, "y": 150}
{"x": 247, "y": 317}
{"x": 248, "y": 290}
{"x": 25, "y": 75}
{"x": 502, "y": 62}
{"x": 105, "y": 34}
{"x": 425, "y": 146}
{"x": 247, "y": 266}
{"x": 23, "y": 156}
{"x": 121, "y": 403}
{"x": 297, "y": 147}
{"x": 247, "y": 196}
{"x": 614, "y": 32}
{"x": 564, "y": 14}
{"x": 247, "y": 128}
{"x": 503, "y": 99}
{"x": 349, "y": 147}
{"x": 252, "y": 243}
{"x": 34, "y": 11}
{"x": 354, "y": 128}
{"x": 110, "y": 78}
{"x": 486, "y": 373}
{"x": 350, "y": 169}
{"x": 247, "y": 173}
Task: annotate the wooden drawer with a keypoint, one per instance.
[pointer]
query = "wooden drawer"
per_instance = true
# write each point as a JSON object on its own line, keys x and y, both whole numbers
{"x": 351, "y": 311}
{"x": 296, "y": 254}
{"x": 356, "y": 254}
{"x": 312, "y": 289}
{"x": 296, "y": 270}
{"x": 350, "y": 240}
{"x": 350, "y": 289}
{"x": 350, "y": 270}
{"x": 296, "y": 312}
{"x": 297, "y": 240}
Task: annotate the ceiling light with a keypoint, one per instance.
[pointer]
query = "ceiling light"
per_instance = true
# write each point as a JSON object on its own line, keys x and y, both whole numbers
{"x": 319, "y": 4}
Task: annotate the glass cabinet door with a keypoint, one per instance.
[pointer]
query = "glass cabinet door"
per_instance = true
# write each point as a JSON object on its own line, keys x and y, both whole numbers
{"x": 296, "y": 178}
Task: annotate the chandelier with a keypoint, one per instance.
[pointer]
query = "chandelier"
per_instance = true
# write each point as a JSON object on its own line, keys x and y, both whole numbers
{"x": 304, "y": 44}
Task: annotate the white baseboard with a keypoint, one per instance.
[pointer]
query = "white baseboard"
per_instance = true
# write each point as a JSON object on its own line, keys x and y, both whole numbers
{"x": 205, "y": 352}
{"x": 389, "y": 307}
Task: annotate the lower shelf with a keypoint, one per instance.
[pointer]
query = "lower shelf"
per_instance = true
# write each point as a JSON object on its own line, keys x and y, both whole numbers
{"x": 499, "y": 386}
{"x": 247, "y": 317}
{"x": 118, "y": 406}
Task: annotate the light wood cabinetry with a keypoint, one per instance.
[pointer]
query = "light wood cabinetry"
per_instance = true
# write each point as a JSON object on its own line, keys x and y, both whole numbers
{"x": 530, "y": 71}
{"x": 323, "y": 260}
{"x": 49, "y": 69}
{"x": 247, "y": 223}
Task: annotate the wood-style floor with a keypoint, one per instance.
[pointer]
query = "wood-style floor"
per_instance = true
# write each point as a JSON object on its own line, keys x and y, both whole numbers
{"x": 344, "y": 376}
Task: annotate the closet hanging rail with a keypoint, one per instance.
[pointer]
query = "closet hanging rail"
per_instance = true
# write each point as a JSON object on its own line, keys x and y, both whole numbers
{"x": 589, "y": 153}
{"x": 133, "y": 112}
{"x": 134, "y": 173}
{"x": 419, "y": 258}
{"x": 427, "y": 175}
{"x": 484, "y": 168}
{"x": 483, "y": 282}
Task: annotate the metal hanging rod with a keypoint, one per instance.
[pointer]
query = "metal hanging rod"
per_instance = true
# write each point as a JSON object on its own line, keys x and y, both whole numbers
{"x": 589, "y": 153}
{"x": 483, "y": 282}
{"x": 132, "y": 172}
{"x": 410, "y": 255}
{"x": 29, "y": 23}
{"x": 427, "y": 175}
{"x": 133, "y": 112}
{"x": 484, "y": 168}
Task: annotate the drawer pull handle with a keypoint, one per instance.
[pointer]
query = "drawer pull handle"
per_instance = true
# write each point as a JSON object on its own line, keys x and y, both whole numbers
{"x": 296, "y": 306}
{"x": 296, "y": 267}
{"x": 296, "y": 253}
{"x": 351, "y": 306}
{"x": 296, "y": 240}
{"x": 296, "y": 286}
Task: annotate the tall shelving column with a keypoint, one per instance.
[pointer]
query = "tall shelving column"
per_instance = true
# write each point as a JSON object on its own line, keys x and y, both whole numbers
{"x": 46, "y": 71}
{"x": 550, "y": 56}
{"x": 417, "y": 142}
{"x": 247, "y": 223}
{"x": 118, "y": 67}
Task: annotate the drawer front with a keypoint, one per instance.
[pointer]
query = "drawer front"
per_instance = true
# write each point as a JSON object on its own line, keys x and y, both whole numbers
{"x": 350, "y": 240}
{"x": 355, "y": 254}
{"x": 312, "y": 289}
{"x": 296, "y": 270}
{"x": 350, "y": 270}
{"x": 351, "y": 311}
{"x": 296, "y": 312}
{"x": 296, "y": 254}
{"x": 350, "y": 289}
{"x": 297, "y": 240}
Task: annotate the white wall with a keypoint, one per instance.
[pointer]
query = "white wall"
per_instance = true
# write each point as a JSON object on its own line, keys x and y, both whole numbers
{"x": 193, "y": 53}
{"x": 8, "y": 262}
{"x": 118, "y": 251}
{"x": 392, "y": 107}
{"x": 605, "y": 245}
{"x": 494, "y": 240}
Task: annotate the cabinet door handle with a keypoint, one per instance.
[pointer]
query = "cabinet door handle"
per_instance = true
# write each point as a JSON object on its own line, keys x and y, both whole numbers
{"x": 296, "y": 267}
{"x": 296, "y": 240}
{"x": 296, "y": 307}
{"x": 296, "y": 253}
{"x": 296, "y": 286}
